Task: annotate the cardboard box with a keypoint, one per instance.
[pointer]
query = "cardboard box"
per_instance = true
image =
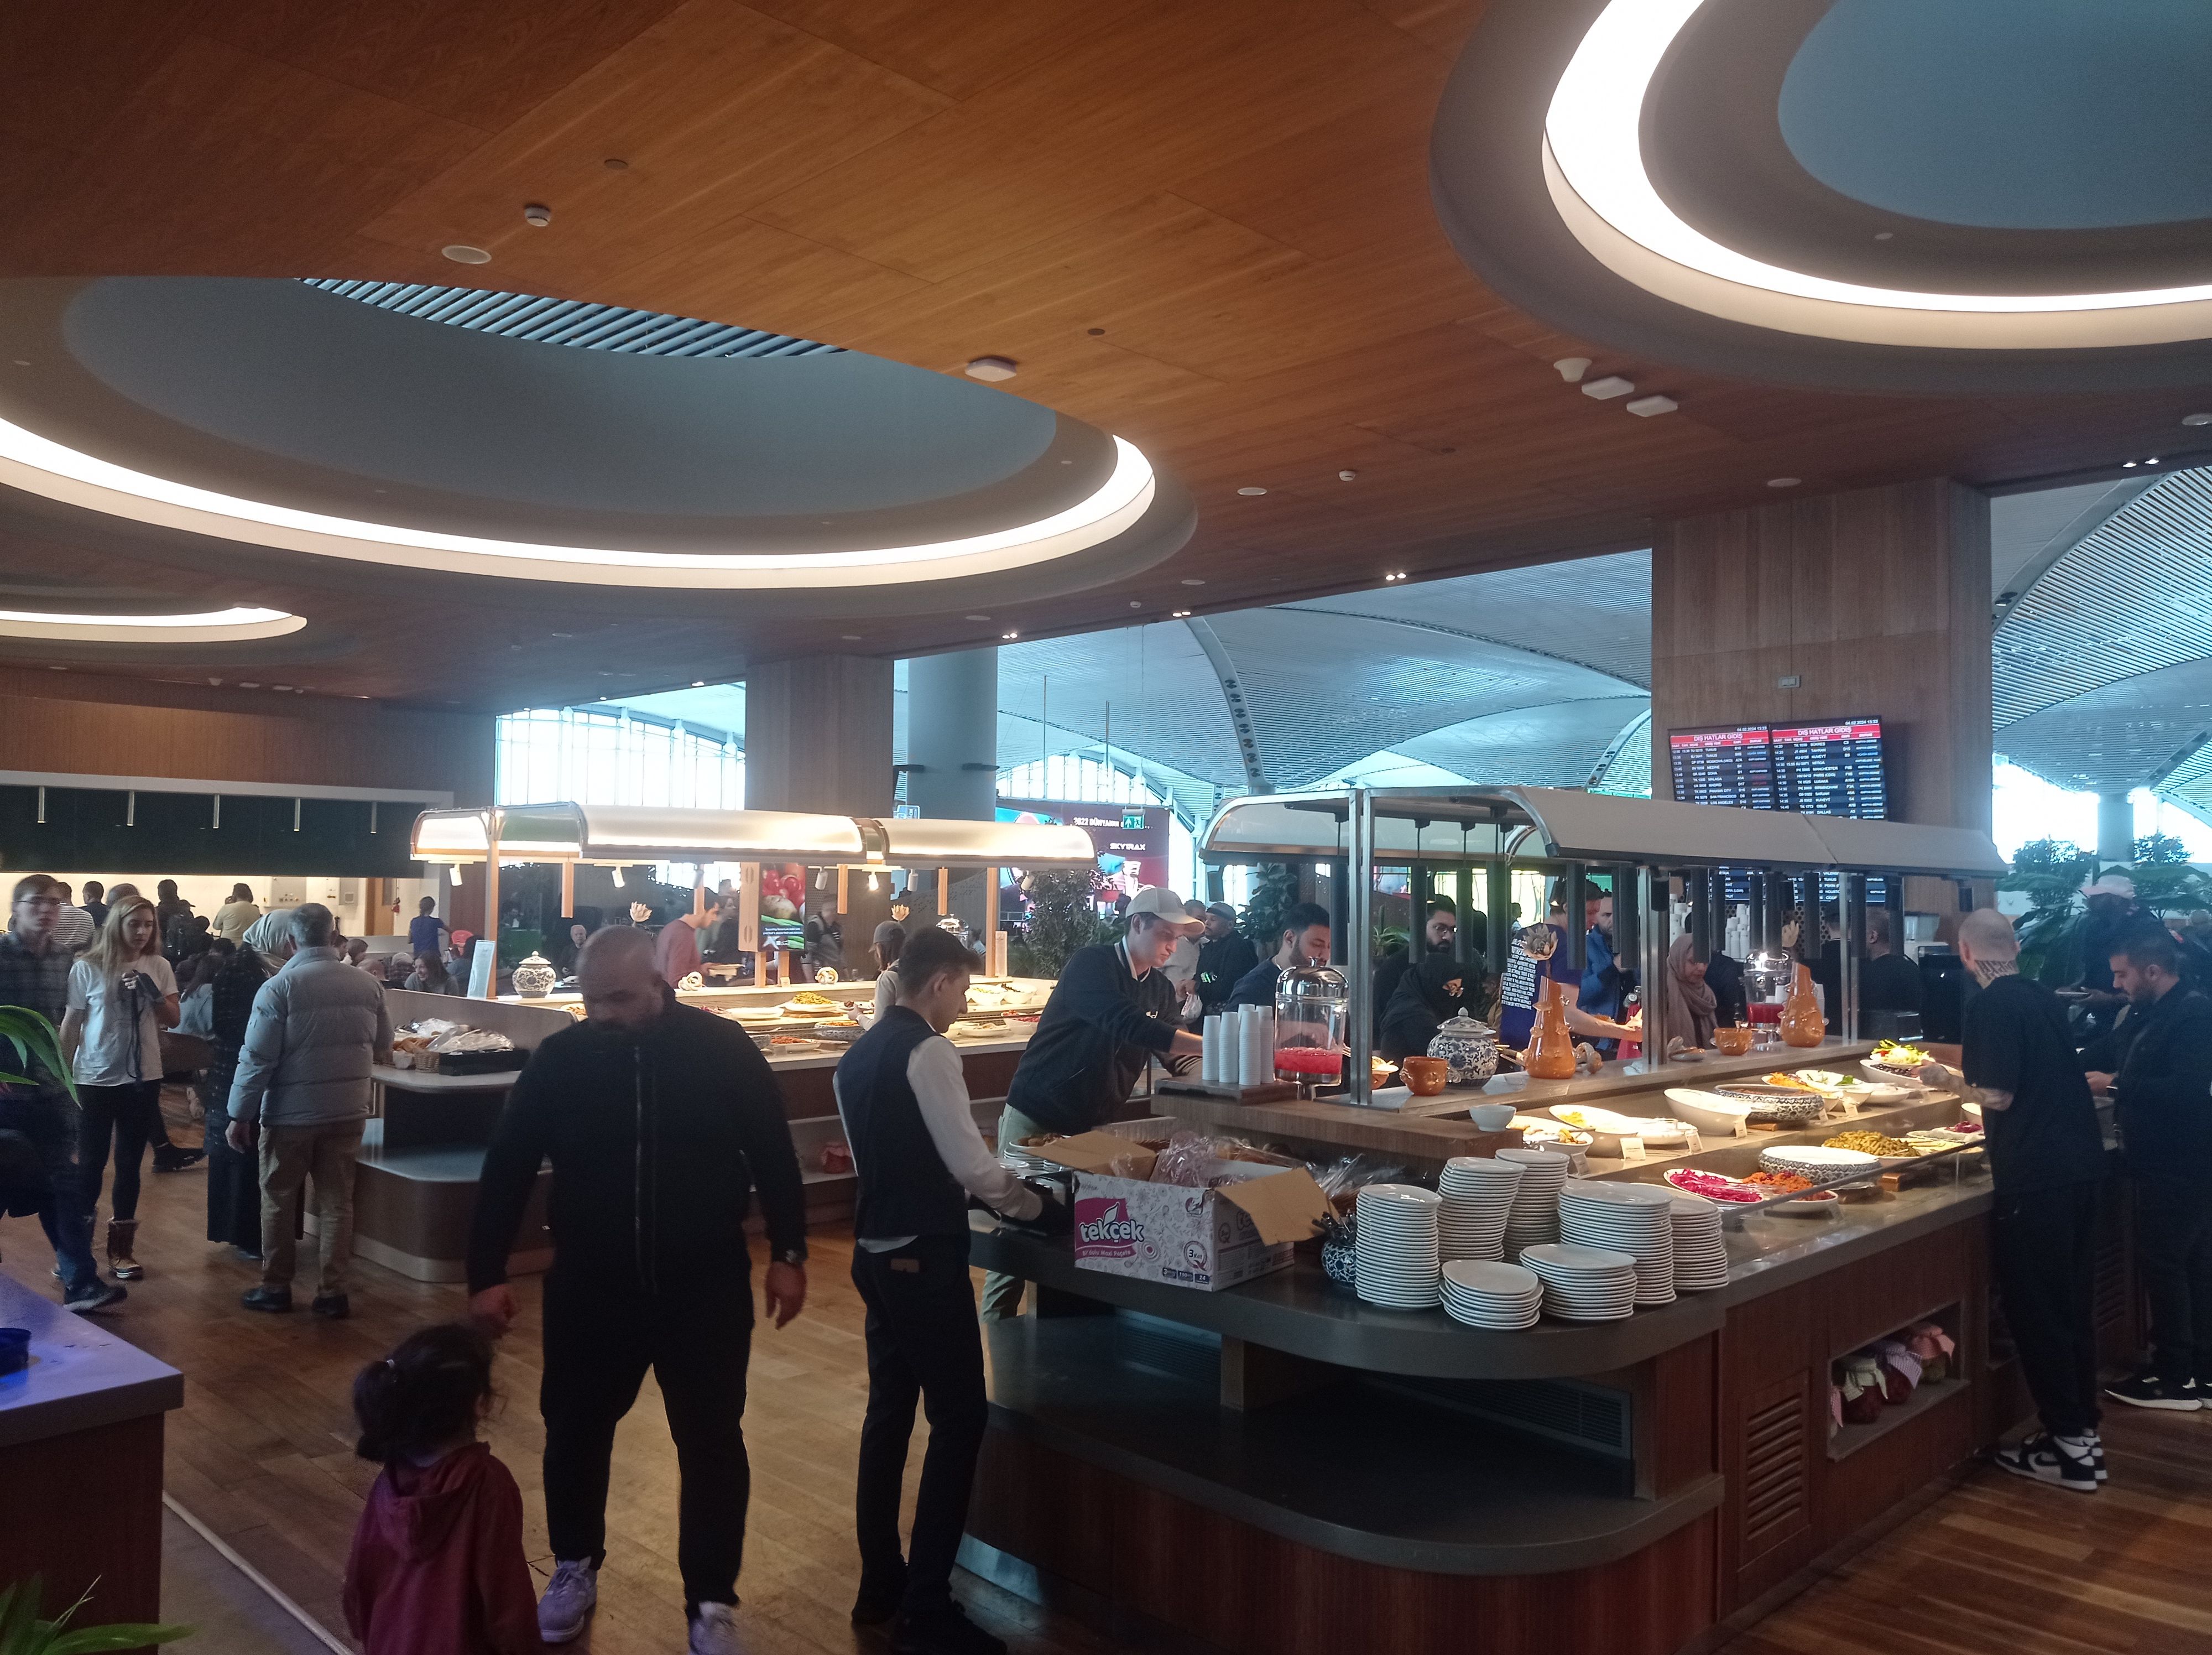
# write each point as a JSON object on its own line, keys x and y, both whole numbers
{"x": 1208, "y": 1239}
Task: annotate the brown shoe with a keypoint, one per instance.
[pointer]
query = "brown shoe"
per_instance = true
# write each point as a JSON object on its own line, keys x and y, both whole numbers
{"x": 122, "y": 1236}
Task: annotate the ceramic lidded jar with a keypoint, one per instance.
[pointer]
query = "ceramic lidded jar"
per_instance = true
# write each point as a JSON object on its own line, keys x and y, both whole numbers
{"x": 1468, "y": 1047}
{"x": 534, "y": 978}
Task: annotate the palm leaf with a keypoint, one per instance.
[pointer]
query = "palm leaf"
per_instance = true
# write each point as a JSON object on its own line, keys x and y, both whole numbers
{"x": 34, "y": 1040}
{"x": 97, "y": 1640}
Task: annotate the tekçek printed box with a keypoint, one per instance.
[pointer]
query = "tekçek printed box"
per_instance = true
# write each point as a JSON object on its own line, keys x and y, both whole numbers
{"x": 1189, "y": 1238}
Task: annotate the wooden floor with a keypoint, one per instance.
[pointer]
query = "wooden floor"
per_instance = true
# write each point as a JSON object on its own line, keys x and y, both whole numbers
{"x": 261, "y": 1452}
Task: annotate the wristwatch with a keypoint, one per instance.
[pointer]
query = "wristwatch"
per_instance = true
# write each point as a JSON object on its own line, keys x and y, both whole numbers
{"x": 789, "y": 1255}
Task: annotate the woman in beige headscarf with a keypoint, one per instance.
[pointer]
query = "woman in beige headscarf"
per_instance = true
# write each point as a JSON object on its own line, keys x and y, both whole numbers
{"x": 1690, "y": 1000}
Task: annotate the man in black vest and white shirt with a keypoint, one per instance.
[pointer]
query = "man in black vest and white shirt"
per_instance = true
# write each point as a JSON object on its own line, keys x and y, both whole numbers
{"x": 904, "y": 1102}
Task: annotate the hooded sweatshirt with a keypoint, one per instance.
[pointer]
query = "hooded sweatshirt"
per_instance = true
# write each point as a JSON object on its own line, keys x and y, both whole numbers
{"x": 437, "y": 1566}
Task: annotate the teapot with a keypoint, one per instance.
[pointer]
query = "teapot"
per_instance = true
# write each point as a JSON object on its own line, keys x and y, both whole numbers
{"x": 1468, "y": 1047}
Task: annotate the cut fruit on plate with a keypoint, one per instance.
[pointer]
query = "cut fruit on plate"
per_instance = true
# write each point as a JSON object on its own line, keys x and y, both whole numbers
{"x": 1713, "y": 1186}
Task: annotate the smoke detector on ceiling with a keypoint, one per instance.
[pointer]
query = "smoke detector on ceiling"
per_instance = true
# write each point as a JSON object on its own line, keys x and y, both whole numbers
{"x": 538, "y": 215}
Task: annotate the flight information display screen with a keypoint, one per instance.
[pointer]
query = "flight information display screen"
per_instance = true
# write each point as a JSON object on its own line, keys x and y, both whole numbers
{"x": 1730, "y": 764}
{"x": 1830, "y": 769}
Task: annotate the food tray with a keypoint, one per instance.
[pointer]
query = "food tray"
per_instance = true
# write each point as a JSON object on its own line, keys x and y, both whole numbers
{"x": 1819, "y": 1163}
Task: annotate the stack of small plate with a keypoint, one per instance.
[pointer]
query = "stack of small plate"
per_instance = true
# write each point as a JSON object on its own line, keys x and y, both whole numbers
{"x": 1584, "y": 1284}
{"x": 1535, "y": 1218}
{"x": 1484, "y": 1293}
{"x": 1636, "y": 1218}
{"x": 1478, "y": 1196}
{"x": 1700, "y": 1257}
{"x": 1395, "y": 1262}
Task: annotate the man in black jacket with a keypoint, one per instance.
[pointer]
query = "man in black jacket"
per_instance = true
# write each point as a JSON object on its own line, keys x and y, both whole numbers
{"x": 2158, "y": 1066}
{"x": 657, "y": 1118}
{"x": 919, "y": 1157}
{"x": 1112, "y": 1010}
{"x": 1223, "y": 956}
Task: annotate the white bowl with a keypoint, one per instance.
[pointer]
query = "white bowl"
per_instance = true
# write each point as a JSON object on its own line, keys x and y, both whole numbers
{"x": 1709, "y": 1112}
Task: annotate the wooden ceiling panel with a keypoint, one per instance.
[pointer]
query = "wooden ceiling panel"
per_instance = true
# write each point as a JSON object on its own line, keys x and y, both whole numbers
{"x": 225, "y": 163}
{"x": 483, "y": 65}
{"x": 1442, "y": 24}
{"x": 65, "y": 70}
{"x": 715, "y": 108}
{"x": 957, "y": 50}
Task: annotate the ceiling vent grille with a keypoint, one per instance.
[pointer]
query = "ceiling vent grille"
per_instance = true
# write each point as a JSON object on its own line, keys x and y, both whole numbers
{"x": 574, "y": 322}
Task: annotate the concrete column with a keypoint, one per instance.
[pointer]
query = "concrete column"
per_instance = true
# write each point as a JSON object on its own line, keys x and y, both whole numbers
{"x": 952, "y": 749}
{"x": 2115, "y": 828}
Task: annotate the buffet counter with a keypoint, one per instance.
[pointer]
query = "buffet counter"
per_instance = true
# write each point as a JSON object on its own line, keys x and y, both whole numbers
{"x": 1280, "y": 1466}
{"x": 81, "y": 1433}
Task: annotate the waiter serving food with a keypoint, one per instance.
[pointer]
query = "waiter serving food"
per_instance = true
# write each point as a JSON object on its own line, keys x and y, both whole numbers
{"x": 919, "y": 1157}
{"x": 1112, "y": 1010}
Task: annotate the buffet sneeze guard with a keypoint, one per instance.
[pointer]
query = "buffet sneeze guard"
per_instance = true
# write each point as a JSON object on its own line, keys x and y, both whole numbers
{"x": 1656, "y": 851}
{"x": 624, "y": 835}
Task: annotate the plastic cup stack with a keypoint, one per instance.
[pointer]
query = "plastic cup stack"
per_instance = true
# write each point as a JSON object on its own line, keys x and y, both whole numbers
{"x": 1535, "y": 1218}
{"x": 1477, "y": 1199}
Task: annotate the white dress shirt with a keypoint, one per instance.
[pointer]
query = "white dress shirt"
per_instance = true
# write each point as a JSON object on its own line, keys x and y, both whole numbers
{"x": 940, "y": 1087}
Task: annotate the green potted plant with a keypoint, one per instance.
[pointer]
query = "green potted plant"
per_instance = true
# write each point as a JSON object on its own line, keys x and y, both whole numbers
{"x": 22, "y": 1632}
{"x": 35, "y": 1040}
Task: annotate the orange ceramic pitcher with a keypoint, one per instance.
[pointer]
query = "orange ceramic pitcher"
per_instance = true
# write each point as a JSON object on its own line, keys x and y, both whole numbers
{"x": 1551, "y": 1055}
{"x": 1802, "y": 1022}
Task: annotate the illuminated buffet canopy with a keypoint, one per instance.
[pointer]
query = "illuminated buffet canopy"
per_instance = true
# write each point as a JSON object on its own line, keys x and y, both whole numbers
{"x": 1562, "y": 825}
{"x": 625, "y": 835}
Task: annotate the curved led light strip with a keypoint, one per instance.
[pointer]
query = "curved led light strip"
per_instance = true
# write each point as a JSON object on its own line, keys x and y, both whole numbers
{"x": 42, "y": 466}
{"x": 1594, "y": 166}
{"x": 217, "y": 626}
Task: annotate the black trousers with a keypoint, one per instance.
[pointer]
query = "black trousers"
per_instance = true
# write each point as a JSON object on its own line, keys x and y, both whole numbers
{"x": 130, "y": 1116}
{"x": 2174, "y": 1256}
{"x": 2044, "y": 1245}
{"x": 598, "y": 1343}
{"x": 923, "y": 1344}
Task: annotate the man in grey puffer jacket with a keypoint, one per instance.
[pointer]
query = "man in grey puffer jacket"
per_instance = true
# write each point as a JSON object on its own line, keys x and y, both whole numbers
{"x": 302, "y": 1086}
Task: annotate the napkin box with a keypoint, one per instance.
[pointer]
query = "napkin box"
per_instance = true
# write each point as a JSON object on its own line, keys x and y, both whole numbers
{"x": 1208, "y": 1239}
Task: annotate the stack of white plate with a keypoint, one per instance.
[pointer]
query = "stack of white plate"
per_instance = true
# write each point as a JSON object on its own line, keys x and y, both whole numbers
{"x": 1395, "y": 1259}
{"x": 1484, "y": 1293}
{"x": 1535, "y": 1218}
{"x": 1584, "y": 1284}
{"x": 1636, "y": 1218}
{"x": 1477, "y": 1196}
{"x": 1700, "y": 1257}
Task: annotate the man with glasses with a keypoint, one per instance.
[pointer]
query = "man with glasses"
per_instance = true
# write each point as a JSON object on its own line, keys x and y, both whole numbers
{"x": 34, "y": 971}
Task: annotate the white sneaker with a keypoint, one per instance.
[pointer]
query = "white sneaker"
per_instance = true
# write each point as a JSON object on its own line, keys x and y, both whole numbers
{"x": 714, "y": 1631}
{"x": 568, "y": 1601}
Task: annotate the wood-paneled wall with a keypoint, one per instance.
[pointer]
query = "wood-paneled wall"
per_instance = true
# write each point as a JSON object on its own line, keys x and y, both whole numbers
{"x": 89, "y": 724}
{"x": 1878, "y": 601}
{"x": 818, "y": 737}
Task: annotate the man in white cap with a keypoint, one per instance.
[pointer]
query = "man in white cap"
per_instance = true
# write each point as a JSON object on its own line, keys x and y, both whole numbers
{"x": 1111, "y": 1011}
{"x": 2114, "y": 921}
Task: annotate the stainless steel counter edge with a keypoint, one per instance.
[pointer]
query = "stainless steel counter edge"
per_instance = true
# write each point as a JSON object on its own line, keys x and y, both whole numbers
{"x": 1621, "y": 1527}
{"x": 81, "y": 1377}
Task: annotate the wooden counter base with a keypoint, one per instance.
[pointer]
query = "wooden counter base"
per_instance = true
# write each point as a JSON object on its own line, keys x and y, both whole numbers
{"x": 1075, "y": 1535}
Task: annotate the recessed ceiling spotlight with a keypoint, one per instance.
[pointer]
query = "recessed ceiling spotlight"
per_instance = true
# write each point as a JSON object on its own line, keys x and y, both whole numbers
{"x": 616, "y": 164}
{"x": 461, "y": 254}
{"x": 991, "y": 369}
{"x": 538, "y": 215}
{"x": 1251, "y": 491}
{"x": 1136, "y": 602}
{"x": 2153, "y": 461}
{"x": 850, "y": 637}
{"x": 698, "y": 684}
{"x": 979, "y": 617}
{"x": 1010, "y": 637}
{"x": 1572, "y": 368}
{"x": 1346, "y": 476}
{"x": 1179, "y": 615}
{"x": 1645, "y": 407}
{"x": 1783, "y": 481}
{"x": 243, "y": 684}
{"x": 1610, "y": 386}
{"x": 2127, "y": 465}
{"x": 1884, "y": 235}
{"x": 1191, "y": 583}
{"x": 1095, "y": 332}
{"x": 2186, "y": 419}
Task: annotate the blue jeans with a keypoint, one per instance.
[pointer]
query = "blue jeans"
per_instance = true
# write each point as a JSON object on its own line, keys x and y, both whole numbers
{"x": 51, "y": 1123}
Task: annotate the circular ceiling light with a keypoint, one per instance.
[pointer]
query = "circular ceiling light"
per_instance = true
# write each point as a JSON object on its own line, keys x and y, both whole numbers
{"x": 42, "y": 466}
{"x": 461, "y": 254}
{"x": 234, "y": 625}
{"x": 991, "y": 369}
{"x": 1594, "y": 170}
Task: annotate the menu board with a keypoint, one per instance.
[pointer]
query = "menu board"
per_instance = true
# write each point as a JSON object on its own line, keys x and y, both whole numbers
{"x": 1832, "y": 769}
{"x": 1732, "y": 764}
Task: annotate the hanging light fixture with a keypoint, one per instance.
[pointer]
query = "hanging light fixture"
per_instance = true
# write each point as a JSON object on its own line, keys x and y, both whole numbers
{"x": 454, "y": 869}
{"x": 618, "y": 879}
{"x": 875, "y": 882}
